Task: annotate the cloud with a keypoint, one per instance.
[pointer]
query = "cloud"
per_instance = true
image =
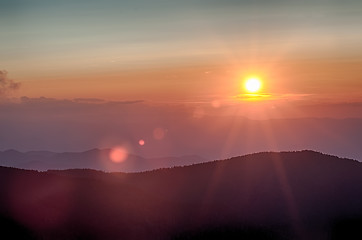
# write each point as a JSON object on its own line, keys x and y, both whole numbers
{"x": 38, "y": 100}
{"x": 253, "y": 97}
{"x": 75, "y": 101}
{"x": 88, "y": 100}
{"x": 7, "y": 85}
{"x": 268, "y": 96}
{"x": 127, "y": 102}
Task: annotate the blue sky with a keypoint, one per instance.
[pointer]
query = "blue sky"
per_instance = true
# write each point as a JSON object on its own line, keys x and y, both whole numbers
{"x": 204, "y": 27}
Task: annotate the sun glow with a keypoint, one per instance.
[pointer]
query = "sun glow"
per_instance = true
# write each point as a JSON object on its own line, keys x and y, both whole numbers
{"x": 253, "y": 84}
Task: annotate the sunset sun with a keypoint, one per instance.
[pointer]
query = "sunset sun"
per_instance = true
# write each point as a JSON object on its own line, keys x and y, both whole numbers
{"x": 253, "y": 84}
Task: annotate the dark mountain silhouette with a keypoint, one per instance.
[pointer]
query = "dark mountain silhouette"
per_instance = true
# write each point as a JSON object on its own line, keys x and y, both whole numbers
{"x": 288, "y": 195}
{"x": 93, "y": 159}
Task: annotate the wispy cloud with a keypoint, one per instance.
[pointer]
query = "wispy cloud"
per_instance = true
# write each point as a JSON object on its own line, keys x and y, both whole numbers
{"x": 268, "y": 96}
{"x": 253, "y": 97}
{"x": 127, "y": 102}
{"x": 88, "y": 100}
{"x": 7, "y": 85}
{"x": 76, "y": 101}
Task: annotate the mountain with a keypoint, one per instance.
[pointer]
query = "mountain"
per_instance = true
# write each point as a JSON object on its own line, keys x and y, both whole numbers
{"x": 97, "y": 159}
{"x": 287, "y": 195}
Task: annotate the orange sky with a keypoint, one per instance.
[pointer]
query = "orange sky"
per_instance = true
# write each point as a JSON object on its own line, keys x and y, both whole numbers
{"x": 184, "y": 51}
{"x": 337, "y": 80}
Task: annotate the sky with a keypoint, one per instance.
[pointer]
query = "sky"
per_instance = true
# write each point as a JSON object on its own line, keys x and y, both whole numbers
{"x": 188, "y": 58}
{"x": 180, "y": 50}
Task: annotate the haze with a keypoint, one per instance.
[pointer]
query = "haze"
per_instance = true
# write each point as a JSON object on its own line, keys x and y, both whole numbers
{"x": 77, "y": 75}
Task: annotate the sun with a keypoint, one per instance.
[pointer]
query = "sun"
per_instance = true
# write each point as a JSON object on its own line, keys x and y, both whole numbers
{"x": 253, "y": 84}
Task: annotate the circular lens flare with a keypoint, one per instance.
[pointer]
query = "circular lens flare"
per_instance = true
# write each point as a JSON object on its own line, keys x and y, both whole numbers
{"x": 118, "y": 154}
{"x": 159, "y": 133}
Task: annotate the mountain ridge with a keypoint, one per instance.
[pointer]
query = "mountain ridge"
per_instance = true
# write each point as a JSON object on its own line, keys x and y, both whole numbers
{"x": 298, "y": 195}
{"x": 97, "y": 159}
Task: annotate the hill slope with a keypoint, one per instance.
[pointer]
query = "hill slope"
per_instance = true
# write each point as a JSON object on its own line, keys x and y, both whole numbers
{"x": 266, "y": 195}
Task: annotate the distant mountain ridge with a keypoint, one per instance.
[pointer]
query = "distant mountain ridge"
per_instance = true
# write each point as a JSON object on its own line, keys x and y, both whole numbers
{"x": 269, "y": 195}
{"x": 97, "y": 159}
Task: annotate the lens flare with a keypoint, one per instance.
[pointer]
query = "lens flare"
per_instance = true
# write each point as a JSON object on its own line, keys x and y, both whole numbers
{"x": 118, "y": 154}
{"x": 141, "y": 142}
{"x": 159, "y": 133}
